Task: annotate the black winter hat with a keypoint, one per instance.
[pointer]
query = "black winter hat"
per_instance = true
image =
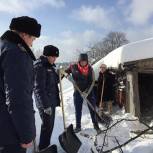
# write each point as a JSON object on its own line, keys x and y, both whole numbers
{"x": 27, "y": 25}
{"x": 83, "y": 57}
{"x": 50, "y": 50}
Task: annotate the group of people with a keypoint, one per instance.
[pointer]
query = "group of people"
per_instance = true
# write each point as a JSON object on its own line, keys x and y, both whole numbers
{"x": 19, "y": 77}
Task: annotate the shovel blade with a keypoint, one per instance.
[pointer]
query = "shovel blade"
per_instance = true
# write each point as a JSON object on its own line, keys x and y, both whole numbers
{"x": 69, "y": 141}
{"x": 74, "y": 141}
{"x": 63, "y": 142}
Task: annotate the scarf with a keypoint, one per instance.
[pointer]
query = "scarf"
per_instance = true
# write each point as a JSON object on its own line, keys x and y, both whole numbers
{"x": 84, "y": 70}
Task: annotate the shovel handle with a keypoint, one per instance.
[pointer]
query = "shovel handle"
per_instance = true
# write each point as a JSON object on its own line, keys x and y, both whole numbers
{"x": 35, "y": 149}
{"x": 62, "y": 101}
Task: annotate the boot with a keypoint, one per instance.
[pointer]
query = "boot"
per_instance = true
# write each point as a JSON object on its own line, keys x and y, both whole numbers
{"x": 77, "y": 129}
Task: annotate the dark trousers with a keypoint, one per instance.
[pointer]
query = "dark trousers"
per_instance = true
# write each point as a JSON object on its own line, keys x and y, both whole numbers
{"x": 78, "y": 101}
{"x": 46, "y": 128}
{"x": 14, "y": 148}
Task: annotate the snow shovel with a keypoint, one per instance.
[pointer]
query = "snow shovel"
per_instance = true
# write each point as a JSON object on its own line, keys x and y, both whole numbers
{"x": 50, "y": 149}
{"x": 102, "y": 117}
{"x": 73, "y": 140}
{"x": 63, "y": 141}
{"x": 62, "y": 101}
{"x": 69, "y": 141}
{"x": 102, "y": 91}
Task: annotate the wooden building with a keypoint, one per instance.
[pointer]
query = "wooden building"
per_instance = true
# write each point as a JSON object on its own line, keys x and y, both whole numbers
{"x": 139, "y": 87}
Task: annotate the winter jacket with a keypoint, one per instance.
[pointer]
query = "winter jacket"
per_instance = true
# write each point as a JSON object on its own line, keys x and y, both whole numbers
{"x": 108, "y": 91}
{"x": 46, "y": 84}
{"x": 17, "y": 123}
{"x": 82, "y": 81}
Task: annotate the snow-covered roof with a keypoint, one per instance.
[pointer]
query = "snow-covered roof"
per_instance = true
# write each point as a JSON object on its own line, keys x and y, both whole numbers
{"x": 133, "y": 51}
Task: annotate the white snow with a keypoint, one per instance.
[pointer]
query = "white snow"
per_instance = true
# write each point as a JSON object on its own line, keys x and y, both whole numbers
{"x": 122, "y": 130}
{"x": 133, "y": 51}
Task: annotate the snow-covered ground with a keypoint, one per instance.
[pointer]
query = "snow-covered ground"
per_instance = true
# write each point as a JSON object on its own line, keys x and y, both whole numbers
{"x": 121, "y": 131}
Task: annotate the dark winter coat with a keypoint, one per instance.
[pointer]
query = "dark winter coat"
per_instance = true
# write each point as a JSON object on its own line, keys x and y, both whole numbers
{"x": 82, "y": 81}
{"x": 46, "y": 84}
{"x": 108, "y": 91}
{"x": 17, "y": 123}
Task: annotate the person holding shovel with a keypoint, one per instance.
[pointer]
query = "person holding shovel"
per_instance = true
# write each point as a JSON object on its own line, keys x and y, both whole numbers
{"x": 46, "y": 92}
{"x": 83, "y": 76}
{"x": 105, "y": 88}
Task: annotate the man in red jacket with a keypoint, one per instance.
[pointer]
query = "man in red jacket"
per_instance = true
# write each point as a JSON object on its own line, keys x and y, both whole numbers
{"x": 82, "y": 74}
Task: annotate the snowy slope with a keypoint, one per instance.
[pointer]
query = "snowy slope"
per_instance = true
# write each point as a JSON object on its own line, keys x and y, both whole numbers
{"x": 121, "y": 131}
{"x": 133, "y": 51}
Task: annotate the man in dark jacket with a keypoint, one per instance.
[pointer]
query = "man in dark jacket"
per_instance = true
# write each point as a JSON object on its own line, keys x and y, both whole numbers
{"x": 17, "y": 123}
{"x": 47, "y": 92}
{"x": 83, "y": 74}
{"x": 105, "y": 89}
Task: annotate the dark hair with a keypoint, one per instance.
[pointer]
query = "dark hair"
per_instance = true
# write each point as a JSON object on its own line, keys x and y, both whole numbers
{"x": 83, "y": 57}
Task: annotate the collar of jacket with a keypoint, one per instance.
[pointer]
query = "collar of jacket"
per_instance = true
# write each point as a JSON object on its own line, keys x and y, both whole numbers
{"x": 46, "y": 62}
{"x": 15, "y": 38}
{"x": 104, "y": 73}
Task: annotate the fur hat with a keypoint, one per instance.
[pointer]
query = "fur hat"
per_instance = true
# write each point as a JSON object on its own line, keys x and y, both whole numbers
{"x": 27, "y": 25}
{"x": 83, "y": 57}
{"x": 50, "y": 50}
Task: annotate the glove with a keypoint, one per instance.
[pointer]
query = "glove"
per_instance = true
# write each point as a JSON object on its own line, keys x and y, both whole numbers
{"x": 48, "y": 111}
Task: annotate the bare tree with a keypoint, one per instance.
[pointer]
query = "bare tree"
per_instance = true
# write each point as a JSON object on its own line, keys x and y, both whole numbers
{"x": 112, "y": 41}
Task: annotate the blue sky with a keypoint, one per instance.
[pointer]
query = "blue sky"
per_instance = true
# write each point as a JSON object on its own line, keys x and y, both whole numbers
{"x": 74, "y": 25}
